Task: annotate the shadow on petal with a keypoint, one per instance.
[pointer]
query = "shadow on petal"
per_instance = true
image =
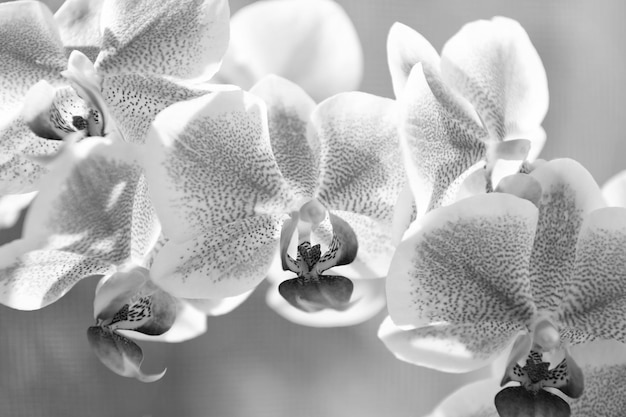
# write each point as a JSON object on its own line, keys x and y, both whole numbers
{"x": 518, "y": 402}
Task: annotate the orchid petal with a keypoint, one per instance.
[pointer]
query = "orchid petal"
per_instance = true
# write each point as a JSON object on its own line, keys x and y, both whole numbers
{"x": 113, "y": 291}
{"x": 178, "y": 38}
{"x": 568, "y": 193}
{"x": 11, "y": 206}
{"x": 597, "y": 290}
{"x": 33, "y": 276}
{"x": 225, "y": 261}
{"x": 218, "y": 306}
{"x": 465, "y": 263}
{"x": 289, "y": 108}
{"x": 134, "y": 100}
{"x": 360, "y": 164}
{"x": 438, "y": 145}
{"x": 471, "y": 400}
{"x": 405, "y": 48}
{"x": 495, "y": 66}
{"x": 449, "y": 347}
{"x": 79, "y": 26}
{"x": 614, "y": 190}
{"x": 310, "y": 42}
{"x": 95, "y": 203}
{"x": 120, "y": 354}
{"x": 209, "y": 163}
{"x": 368, "y": 299}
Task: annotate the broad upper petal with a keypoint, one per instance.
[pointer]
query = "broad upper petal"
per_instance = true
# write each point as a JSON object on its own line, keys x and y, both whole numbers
{"x": 438, "y": 142}
{"x": 79, "y": 26}
{"x": 209, "y": 162}
{"x": 360, "y": 164}
{"x": 405, "y": 48}
{"x": 289, "y": 108}
{"x": 368, "y": 299}
{"x": 223, "y": 261}
{"x": 310, "y": 42}
{"x": 465, "y": 263}
{"x": 595, "y": 300}
{"x": 450, "y": 347}
{"x": 569, "y": 193}
{"x": 495, "y": 66}
{"x": 177, "y": 38}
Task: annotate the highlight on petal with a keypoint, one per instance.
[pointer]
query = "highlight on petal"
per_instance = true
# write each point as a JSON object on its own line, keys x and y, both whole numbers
{"x": 465, "y": 263}
{"x": 209, "y": 163}
{"x": 495, "y": 66}
{"x": 439, "y": 148}
{"x": 120, "y": 354}
{"x": 177, "y": 38}
{"x": 614, "y": 190}
{"x": 595, "y": 301}
{"x": 11, "y": 206}
{"x": 79, "y": 26}
{"x": 221, "y": 262}
{"x": 310, "y": 42}
{"x": 405, "y": 48}
{"x": 367, "y": 300}
{"x": 360, "y": 164}
{"x": 289, "y": 108}
{"x": 569, "y": 193}
{"x": 450, "y": 347}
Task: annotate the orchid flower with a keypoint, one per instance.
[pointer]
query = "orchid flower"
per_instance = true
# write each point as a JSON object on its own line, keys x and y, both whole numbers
{"x": 481, "y": 101}
{"x": 603, "y": 365}
{"x": 530, "y": 271}
{"x": 310, "y": 42}
{"x": 93, "y": 213}
{"x": 142, "y": 49}
{"x": 233, "y": 179}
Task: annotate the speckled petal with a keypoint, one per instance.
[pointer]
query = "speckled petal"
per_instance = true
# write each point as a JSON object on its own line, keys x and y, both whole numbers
{"x": 134, "y": 100}
{"x": 32, "y": 277}
{"x": 438, "y": 145}
{"x": 178, "y": 38}
{"x": 11, "y": 206}
{"x": 596, "y": 295}
{"x": 79, "y": 25}
{"x": 465, "y": 263}
{"x": 209, "y": 162}
{"x": 289, "y": 108}
{"x": 360, "y": 164}
{"x": 94, "y": 203}
{"x": 368, "y": 299}
{"x": 569, "y": 194}
{"x": 449, "y": 347}
{"x": 221, "y": 262}
{"x": 405, "y": 48}
{"x": 614, "y": 190}
{"x": 310, "y": 42}
{"x": 495, "y": 66}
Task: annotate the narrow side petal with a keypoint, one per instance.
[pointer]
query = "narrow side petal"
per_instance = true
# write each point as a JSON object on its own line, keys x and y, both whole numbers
{"x": 614, "y": 190}
{"x": 11, "y": 206}
{"x": 465, "y": 263}
{"x": 596, "y": 295}
{"x": 495, "y": 66}
{"x": 209, "y": 162}
{"x": 405, "y": 48}
{"x": 310, "y": 42}
{"x": 289, "y": 108}
{"x": 438, "y": 145}
{"x": 569, "y": 193}
{"x": 367, "y": 300}
{"x": 79, "y": 26}
{"x": 178, "y": 38}
{"x": 360, "y": 164}
{"x": 449, "y": 347}
{"x": 222, "y": 262}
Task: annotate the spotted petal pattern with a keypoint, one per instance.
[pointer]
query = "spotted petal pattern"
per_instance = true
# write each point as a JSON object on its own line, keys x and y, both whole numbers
{"x": 178, "y": 38}
{"x": 465, "y": 263}
{"x": 209, "y": 163}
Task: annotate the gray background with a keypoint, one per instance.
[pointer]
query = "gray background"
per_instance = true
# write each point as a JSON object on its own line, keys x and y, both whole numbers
{"x": 254, "y": 363}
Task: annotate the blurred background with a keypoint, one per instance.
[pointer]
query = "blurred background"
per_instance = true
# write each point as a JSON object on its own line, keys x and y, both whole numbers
{"x": 254, "y": 363}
